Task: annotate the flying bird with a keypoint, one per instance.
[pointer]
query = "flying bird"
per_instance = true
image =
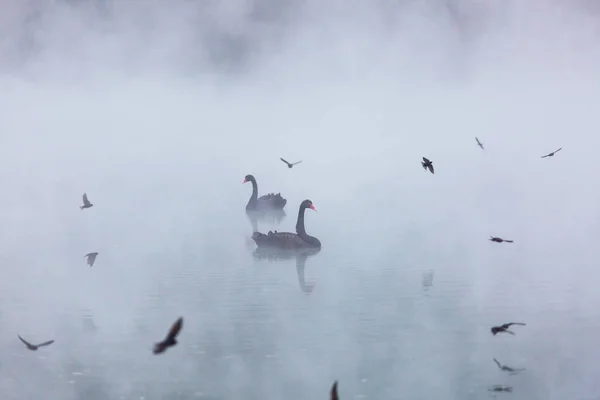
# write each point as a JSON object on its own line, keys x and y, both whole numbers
{"x": 35, "y": 346}
{"x": 552, "y": 154}
{"x": 479, "y": 143}
{"x": 513, "y": 371}
{"x": 91, "y": 258}
{"x": 86, "y": 202}
{"x": 334, "y": 393}
{"x": 500, "y": 240}
{"x": 290, "y": 165}
{"x": 427, "y": 164}
{"x": 169, "y": 340}
{"x": 500, "y": 388}
{"x": 504, "y": 328}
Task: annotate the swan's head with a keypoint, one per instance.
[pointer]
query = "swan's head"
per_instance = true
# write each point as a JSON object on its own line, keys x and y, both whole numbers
{"x": 248, "y": 178}
{"x": 308, "y": 204}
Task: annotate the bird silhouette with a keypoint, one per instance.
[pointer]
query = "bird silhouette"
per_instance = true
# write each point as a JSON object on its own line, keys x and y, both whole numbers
{"x": 334, "y": 392}
{"x": 91, "y": 258}
{"x": 86, "y": 202}
{"x": 169, "y": 340}
{"x": 500, "y": 240}
{"x": 479, "y": 143}
{"x": 504, "y": 328}
{"x": 552, "y": 154}
{"x": 513, "y": 371}
{"x": 427, "y": 164}
{"x": 290, "y": 165}
{"x": 500, "y": 388}
{"x": 35, "y": 346}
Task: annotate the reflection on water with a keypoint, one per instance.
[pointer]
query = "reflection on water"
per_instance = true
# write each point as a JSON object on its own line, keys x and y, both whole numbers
{"x": 427, "y": 280}
{"x": 272, "y": 217}
{"x": 300, "y": 256}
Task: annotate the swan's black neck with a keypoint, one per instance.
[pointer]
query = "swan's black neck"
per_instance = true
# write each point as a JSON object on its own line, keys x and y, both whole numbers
{"x": 254, "y": 196}
{"x": 301, "y": 231}
{"x": 300, "y": 223}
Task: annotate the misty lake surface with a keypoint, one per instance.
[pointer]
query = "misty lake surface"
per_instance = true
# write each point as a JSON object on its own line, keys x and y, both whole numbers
{"x": 399, "y": 302}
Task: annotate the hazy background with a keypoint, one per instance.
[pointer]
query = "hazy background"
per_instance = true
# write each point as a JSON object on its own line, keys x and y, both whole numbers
{"x": 158, "y": 109}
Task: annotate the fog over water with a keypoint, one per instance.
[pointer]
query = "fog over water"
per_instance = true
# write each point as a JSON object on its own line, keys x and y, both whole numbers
{"x": 159, "y": 109}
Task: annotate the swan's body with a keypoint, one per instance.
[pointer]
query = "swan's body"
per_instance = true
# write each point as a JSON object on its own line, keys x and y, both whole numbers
{"x": 270, "y": 201}
{"x": 288, "y": 240}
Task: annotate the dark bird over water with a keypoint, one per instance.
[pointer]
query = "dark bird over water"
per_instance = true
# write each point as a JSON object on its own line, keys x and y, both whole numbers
{"x": 479, "y": 143}
{"x": 266, "y": 202}
{"x": 91, "y": 258}
{"x": 288, "y": 240}
{"x": 500, "y": 240}
{"x": 552, "y": 154}
{"x": 427, "y": 164}
{"x": 35, "y": 346}
{"x": 170, "y": 339}
{"x": 512, "y": 371}
{"x": 500, "y": 388}
{"x": 334, "y": 393}
{"x": 290, "y": 165}
{"x": 504, "y": 328}
{"x": 86, "y": 202}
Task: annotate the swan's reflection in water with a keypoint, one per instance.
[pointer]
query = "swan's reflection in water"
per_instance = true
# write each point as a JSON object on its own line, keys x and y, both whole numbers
{"x": 300, "y": 255}
{"x": 427, "y": 280}
{"x": 89, "y": 326}
{"x": 273, "y": 217}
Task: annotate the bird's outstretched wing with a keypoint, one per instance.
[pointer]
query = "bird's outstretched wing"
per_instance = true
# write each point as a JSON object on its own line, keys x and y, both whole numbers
{"x": 91, "y": 258}
{"x": 513, "y": 323}
{"x": 498, "y": 364}
{"x": 553, "y": 153}
{"x": 425, "y": 159}
{"x": 175, "y": 328}
{"x": 49, "y": 342}
{"x": 431, "y": 168}
{"x": 24, "y": 341}
{"x": 297, "y": 162}
{"x": 284, "y": 161}
{"x": 86, "y": 202}
{"x": 334, "y": 392}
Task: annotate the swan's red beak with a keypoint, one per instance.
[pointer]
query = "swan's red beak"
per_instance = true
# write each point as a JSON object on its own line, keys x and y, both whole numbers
{"x": 312, "y": 207}
{"x": 245, "y": 180}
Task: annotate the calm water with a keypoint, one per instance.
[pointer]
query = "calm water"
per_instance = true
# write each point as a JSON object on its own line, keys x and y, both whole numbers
{"x": 389, "y": 307}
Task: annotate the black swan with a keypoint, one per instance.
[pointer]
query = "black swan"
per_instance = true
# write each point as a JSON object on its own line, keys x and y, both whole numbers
{"x": 267, "y": 202}
{"x": 288, "y": 240}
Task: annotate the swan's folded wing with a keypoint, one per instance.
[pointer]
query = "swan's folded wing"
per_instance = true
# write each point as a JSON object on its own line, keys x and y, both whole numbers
{"x": 271, "y": 201}
{"x": 270, "y": 196}
{"x": 281, "y": 240}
